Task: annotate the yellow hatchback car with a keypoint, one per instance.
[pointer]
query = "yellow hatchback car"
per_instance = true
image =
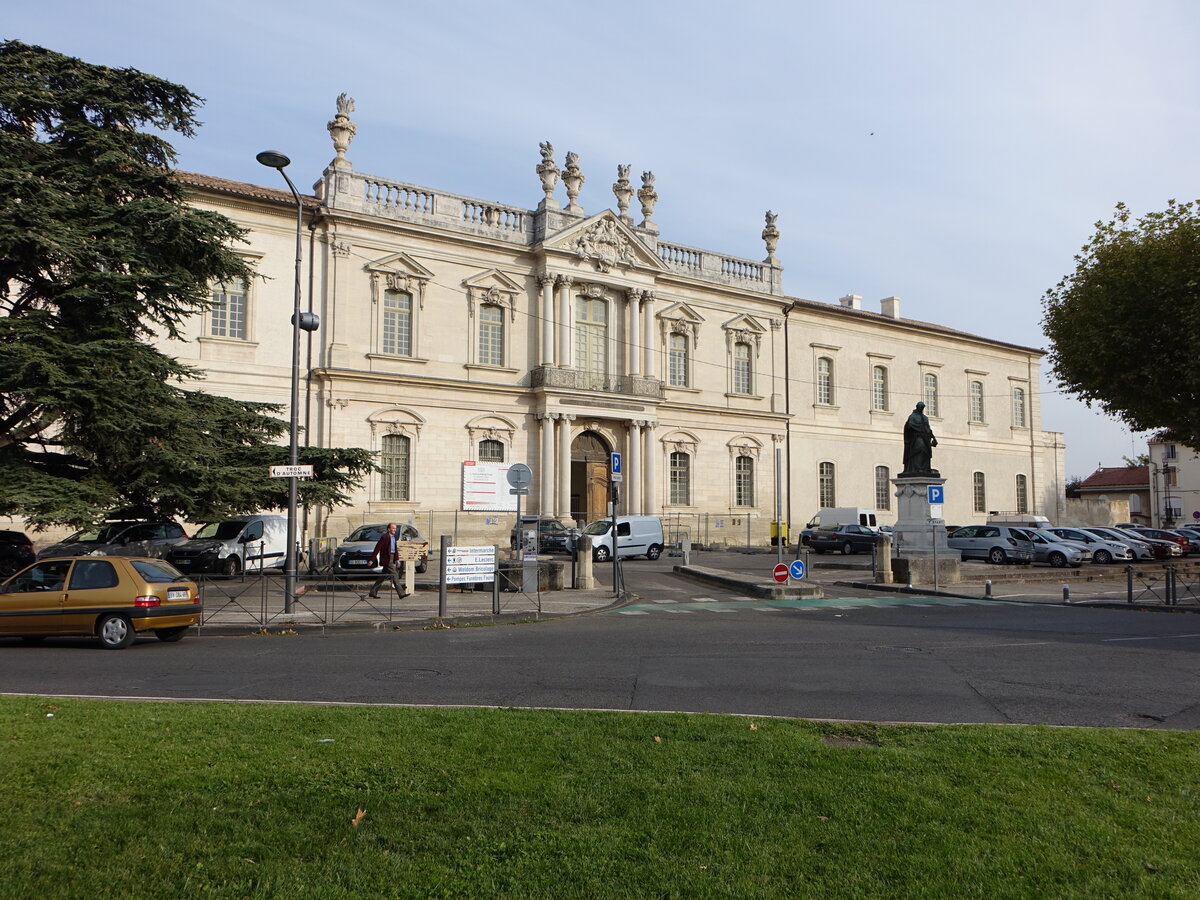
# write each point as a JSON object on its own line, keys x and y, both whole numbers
{"x": 111, "y": 597}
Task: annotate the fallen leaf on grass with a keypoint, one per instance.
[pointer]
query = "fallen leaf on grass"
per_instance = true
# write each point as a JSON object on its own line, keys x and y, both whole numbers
{"x": 657, "y": 739}
{"x": 358, "y": 817}
{"x": 754, "y": 726}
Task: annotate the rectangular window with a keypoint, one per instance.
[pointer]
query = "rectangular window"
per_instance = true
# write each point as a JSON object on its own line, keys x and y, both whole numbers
{"x": 680, "y": 487}
{"x": 979, "y": 489}
{"x": 743, "y": 481}
{"x": 227, "y": 314}
{"x": 591, "y": 342}
{"x": 931, "y": 394}
{"x": 491, "y": 451}
{"x": 678, "y": 360}
{"x": 1018, "y": 407}
{"x": 879, "y": 388}
{"x": 825, "y": 381}
{"x": 394, "y": 461}
{"x": 491, "y": 335}
{"x": 397, "y": 323}
{"x": 825, "y": 486}
{"x": 1022, "y": 495}
{"x": 743, "y": 383}
{"x": 883, "y": 484}
{"x": 976, "y": 411}
{"x": 1169, "y": 451}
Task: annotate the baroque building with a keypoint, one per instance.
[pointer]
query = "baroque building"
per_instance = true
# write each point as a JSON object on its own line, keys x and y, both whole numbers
{"x": 459, "y": 334}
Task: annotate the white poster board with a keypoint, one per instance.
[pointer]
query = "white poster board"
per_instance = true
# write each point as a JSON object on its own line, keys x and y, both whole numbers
{"x": 485, "y": 488}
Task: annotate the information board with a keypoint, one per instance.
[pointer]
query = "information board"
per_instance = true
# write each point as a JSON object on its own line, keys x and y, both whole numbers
{"x": 467, "y": 565}
{"x": 485, "y": 487}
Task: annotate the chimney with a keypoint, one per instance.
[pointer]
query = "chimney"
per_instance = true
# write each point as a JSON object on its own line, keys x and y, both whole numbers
{"x": 851, "y": 301}
{"x": 890, "y": 307}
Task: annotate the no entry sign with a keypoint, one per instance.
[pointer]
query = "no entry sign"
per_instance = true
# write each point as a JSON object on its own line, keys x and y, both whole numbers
{"x": 780, "y": 573}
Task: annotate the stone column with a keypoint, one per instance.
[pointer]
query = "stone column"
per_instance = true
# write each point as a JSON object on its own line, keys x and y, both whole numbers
{"x": 546, "y": 350}
{"x": 633, "y": 486}
{"x": 648, "y": 335}
{"x": 546, "y": 465}
{"x": 650, "y": 506}
{"x": 566, "y": 322}
{"x": 632, "y": 344}
{"x": 564, "y": 464}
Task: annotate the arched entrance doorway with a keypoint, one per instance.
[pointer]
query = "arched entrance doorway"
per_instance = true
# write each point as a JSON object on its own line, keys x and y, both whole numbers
{"x": 589, "y": 477}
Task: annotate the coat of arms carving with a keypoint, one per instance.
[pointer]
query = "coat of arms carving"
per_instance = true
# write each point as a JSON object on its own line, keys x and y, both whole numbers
{"x": 605, "y": 245}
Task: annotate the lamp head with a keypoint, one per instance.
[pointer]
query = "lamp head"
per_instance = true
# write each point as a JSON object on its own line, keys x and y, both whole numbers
{"x": 273, "y": 159}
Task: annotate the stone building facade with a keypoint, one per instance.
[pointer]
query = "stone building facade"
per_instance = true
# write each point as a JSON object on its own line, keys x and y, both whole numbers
{"x": 456, "y": 330}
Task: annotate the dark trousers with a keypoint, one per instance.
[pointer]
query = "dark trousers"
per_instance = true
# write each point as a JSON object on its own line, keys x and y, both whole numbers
{"x": 391, "y": 570}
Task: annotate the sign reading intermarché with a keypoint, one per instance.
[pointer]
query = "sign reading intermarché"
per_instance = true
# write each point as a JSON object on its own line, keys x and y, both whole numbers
{"x": 466, "y": 565}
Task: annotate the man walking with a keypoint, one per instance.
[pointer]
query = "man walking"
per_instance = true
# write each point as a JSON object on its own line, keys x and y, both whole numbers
{"x": 386, "y": 552}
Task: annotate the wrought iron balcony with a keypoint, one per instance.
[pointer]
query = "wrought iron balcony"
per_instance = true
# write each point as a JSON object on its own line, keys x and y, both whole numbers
{"x": 579, "y": 380}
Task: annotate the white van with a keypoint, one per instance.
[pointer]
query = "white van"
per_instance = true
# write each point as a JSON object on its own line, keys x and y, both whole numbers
{"x": 636, "y": 536}
{"x": 845, "y": 515}
{"x": 235, "y": 545}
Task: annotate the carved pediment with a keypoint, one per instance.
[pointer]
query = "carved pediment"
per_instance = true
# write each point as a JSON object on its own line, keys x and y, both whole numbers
{"x": 744, "y": 328}
{"x": 493, "y": 286}
{"x": 398, "y": 272}
{"x": 607, "y": 243}
{"x": 679, "y": 318}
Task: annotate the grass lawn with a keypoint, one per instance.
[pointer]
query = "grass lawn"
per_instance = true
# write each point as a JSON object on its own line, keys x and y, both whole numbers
{"x": 106, "y": 799}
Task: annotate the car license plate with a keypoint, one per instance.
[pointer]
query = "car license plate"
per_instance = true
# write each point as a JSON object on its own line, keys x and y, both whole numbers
{"x": 178, "y": 594}
{"x": 357, "y": 562}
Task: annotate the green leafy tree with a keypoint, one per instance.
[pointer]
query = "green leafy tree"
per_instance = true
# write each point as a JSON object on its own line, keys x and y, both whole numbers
{"x": 100, "y": 254}
{"x": 1125, "y": 326}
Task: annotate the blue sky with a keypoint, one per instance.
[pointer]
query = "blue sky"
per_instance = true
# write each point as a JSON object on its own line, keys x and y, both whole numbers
{"x": 955, "y": 154}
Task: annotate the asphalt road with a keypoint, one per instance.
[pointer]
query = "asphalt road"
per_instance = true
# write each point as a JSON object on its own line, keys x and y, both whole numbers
{"x": 686, "y": 647}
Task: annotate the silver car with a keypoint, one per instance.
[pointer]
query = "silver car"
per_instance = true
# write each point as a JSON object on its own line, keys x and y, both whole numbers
{"x": 353, "y": 555}
{"x": 1140, "y": 549}
{"x": 1104, "y": 550}
{"x": 1050, "y": 548}
{"x": 120, "y": 539}
{"x": 996, "y": 543}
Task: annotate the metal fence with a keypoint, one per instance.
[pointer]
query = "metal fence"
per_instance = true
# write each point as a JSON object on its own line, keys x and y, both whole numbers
{"x": 1173, "y": 585}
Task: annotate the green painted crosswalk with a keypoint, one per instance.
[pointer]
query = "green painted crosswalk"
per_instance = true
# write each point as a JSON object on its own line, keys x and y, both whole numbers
{"x": 744, "y": 604}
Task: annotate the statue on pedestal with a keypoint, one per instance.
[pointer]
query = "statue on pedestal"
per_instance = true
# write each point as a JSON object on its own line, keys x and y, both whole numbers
{"x": 918, "y": 445}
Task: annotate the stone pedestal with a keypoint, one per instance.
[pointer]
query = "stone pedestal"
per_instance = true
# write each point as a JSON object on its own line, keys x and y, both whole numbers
{"x": 920, "y": 552}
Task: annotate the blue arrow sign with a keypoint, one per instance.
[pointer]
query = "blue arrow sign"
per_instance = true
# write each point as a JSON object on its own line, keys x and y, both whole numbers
{"x": 796, "y": 569}
{"x": 937, "y": 493}
{"x": 615, "y": 463}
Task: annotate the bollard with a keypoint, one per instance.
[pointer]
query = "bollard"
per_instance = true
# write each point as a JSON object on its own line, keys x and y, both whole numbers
{"x": 1066, "y": 594}
{"x": 987, "y": 589}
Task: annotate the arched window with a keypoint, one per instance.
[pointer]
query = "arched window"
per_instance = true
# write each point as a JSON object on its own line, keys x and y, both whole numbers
{"x": 491, "y": 451}
{"x": 1022, "y": 495}
{"x": 743, "y": 481}
{"x": 979, "y": 489}
{"x": 491, "y": 335}
{"x": 825, "y": 380}
{"x": 879, "y": 388}
{"x": 931, "y": 394}
{"x": 680, "y": 479}
{"x": 397, "y": 323}
{"x": 743, "y": 380}
{"x": 883, "y": 483}
{"x": 394, "y": 461}
{"x": 678, "y": 360}
{"x": 976, "y": 410}
{"x": 1018, "y": 407}
{"x": 825, "y": 487}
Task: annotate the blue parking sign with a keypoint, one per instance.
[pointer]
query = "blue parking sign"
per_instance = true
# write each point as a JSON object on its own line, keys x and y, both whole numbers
{"x": 937, "y": 493}
{"x": 796, "y": 569}
{"x": 615, "y": 465}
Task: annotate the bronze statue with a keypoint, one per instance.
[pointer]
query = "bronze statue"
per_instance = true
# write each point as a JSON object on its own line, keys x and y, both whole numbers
{"x": 918, "y": 445}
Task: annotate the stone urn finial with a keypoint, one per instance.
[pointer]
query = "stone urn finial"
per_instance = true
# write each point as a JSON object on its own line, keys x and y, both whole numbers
{"x": 647, "y": 197}
{"x": 548, "y": 171}
{"x": 573, "y": 178}
{"x": 341, "y": 129}
{"x": 624, "y": 192}
{"x": 770, "y": 236}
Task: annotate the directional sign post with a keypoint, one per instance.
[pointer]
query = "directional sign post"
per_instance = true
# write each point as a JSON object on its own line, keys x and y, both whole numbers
{"x": 466, "y": 565}
{"x": 291, "y": 471}
{"x": 797, "y": 569}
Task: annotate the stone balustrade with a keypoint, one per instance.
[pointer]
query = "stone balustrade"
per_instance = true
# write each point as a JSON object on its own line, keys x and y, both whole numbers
{"x": 730, "y": 270}
{"x": 580, "y": 380}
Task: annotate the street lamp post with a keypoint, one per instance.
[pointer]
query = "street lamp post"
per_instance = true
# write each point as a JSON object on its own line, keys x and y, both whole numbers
{"x": 273, "y": 159}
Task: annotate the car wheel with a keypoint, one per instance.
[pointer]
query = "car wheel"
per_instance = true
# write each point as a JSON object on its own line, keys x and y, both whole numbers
{"x": 601, "y": 554}
{"x": 998, "y": 556}
{"x": 847, "y": 548}
{"x": 231, "y": 565}
{"x": 1102, "y": 557}
{"x": 654, "y": 552}
{"x": 421, "y": 567}
{"x": 1057, "y": 560}
{"x": 115, "y": 632}
{"x": 171, "y": 635}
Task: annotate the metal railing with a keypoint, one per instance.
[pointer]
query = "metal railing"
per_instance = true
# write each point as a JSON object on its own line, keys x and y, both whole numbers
{"x": 1173, "y": 585}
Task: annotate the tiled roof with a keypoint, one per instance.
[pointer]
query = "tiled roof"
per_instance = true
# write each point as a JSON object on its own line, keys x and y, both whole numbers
{"x": 242, "y": 189}
{"x": 1117, "y": 476}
